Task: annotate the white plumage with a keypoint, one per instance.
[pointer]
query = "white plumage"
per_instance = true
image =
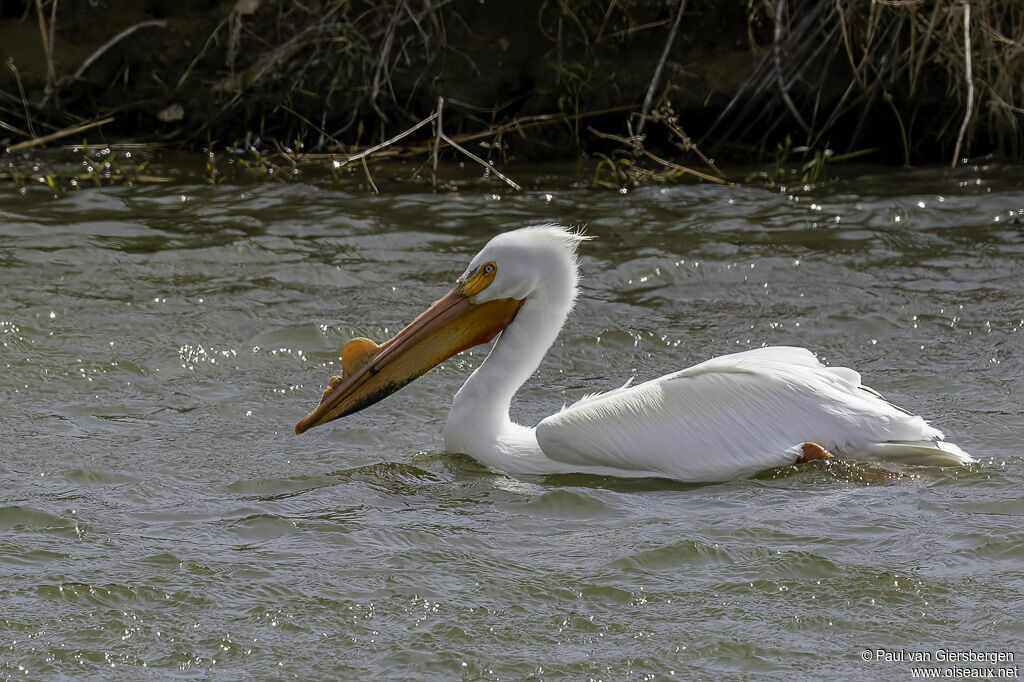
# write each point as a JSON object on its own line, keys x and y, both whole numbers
{"x": 728, "y": 417}
{"x": 735, "y": 414}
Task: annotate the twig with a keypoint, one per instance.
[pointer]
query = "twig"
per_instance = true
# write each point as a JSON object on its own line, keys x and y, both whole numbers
{"x": 492, "y": 110}
{"x": 483, "y": 163}
{"x": 636, "y": 142}
{"x": 847, "y": 45}
{"x": 631, "y": 30}
{"x": 53, "y": 27}
{"x": 748, "y": 104}
{"x": 903, "y": 130}
{"x": 777, "y": 49}
{"x": 604, "y": 21}
{"x": 387, "y": 143}
{"x": 202, "y": 52}
{"x": 59, "y": 134}
{"x": 656, "y": 78}
{"x": 88, "y": 176}
{"x": 382, "y": 60}
{"x": 312, "y": 125}
{"x": 668, "y": 118}
{"x": 437, "y": 135}
{"x": 159, "y": 23}
{"x": 999, "y": 37}
{"x": 999, "y": 100}
{"x": 970, "y": 84}
{"x": 24, "y": 100}
{"x": 18, "y": 131}
{"x": 51, "y": 72}
{"x": 366, "y": 169}
{"x": 428, "y": 145}
{"x": 923, "y": 50}
{"x": 683, "y": 169}
{"x": 115, "y": 146}
{"x": 429, "y": 8}
{"x": 537, "y": 121}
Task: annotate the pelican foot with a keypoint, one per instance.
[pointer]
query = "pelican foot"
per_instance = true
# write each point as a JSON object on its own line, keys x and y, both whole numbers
{"x": 813, "y": 451}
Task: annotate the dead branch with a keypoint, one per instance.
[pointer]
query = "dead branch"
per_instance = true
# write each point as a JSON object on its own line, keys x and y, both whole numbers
{"x": 483, "y": 163}
{"x": 156, "y": 23}
{"x": 970, "y": 84}
{"x": 656, "y": 78}
{"x": 73, "y": 130}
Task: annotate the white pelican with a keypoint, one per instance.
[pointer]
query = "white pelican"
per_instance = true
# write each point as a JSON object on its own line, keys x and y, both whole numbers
{"x": 728, "y": 417}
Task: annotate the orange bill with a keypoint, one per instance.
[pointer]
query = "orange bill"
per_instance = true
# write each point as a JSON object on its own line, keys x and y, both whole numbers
{"x": 372, "y": 373}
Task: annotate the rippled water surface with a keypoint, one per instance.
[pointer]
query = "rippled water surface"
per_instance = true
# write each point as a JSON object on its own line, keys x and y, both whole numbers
{"x": 158, "y": 516}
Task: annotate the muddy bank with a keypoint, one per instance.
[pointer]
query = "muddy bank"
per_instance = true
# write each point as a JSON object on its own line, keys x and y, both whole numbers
{"x": 753, "y": 82}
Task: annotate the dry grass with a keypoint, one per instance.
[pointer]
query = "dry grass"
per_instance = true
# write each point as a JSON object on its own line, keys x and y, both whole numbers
{"x": 333, "y": 77}
{"x": 903, "y": 64}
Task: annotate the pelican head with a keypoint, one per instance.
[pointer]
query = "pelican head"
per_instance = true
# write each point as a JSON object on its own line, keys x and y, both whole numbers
{"x": 512, "y": 270}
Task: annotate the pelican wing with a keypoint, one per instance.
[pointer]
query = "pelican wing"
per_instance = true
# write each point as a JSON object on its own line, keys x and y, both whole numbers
{"x": 731, "y": 416}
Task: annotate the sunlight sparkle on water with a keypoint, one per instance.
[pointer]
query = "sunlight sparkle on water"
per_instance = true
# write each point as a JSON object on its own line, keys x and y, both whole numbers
{"x": 197, "y": 536}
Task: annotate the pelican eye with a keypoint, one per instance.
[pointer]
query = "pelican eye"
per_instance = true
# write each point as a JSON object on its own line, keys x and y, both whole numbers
{"x": 481, "y": 280}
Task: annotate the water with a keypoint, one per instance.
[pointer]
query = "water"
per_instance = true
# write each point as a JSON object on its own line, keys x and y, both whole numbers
{"x": 159, "y": 518}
